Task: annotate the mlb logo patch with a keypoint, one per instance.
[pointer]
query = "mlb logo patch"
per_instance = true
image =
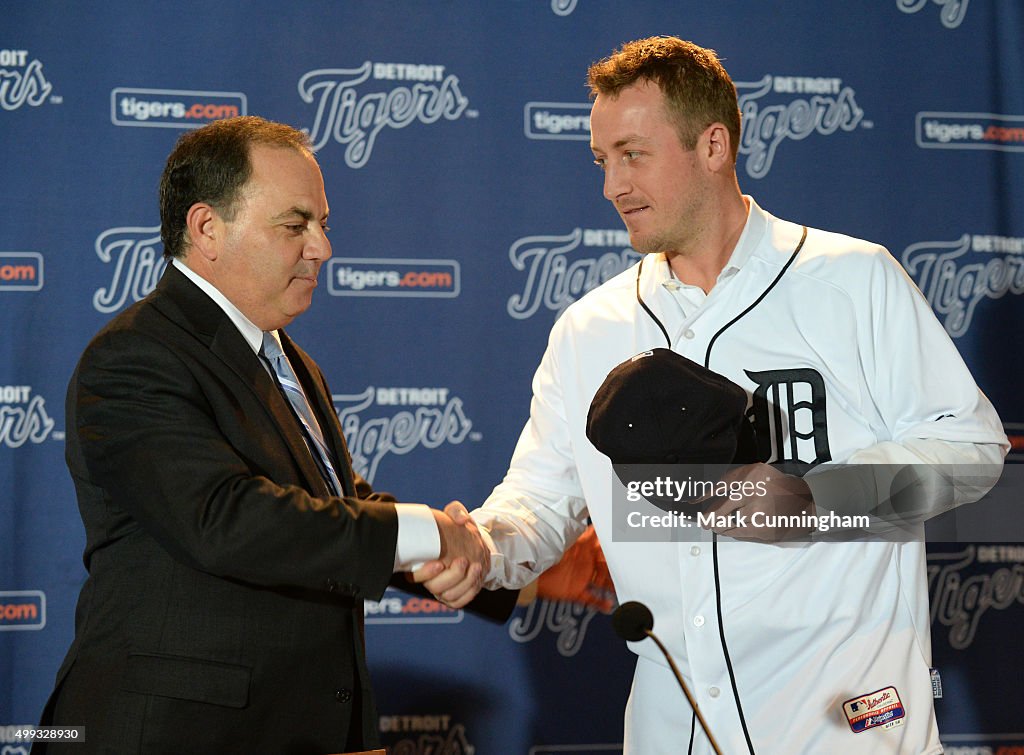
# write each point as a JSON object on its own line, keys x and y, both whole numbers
{"x": 879, "y": 708}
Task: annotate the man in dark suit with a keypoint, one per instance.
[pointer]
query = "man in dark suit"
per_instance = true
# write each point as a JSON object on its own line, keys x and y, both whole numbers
{"x": 229, "y": 546}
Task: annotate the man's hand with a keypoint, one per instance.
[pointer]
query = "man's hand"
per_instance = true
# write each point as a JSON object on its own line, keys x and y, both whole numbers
{"x": 784, "y": 496}
{"x": 458, "y": 574}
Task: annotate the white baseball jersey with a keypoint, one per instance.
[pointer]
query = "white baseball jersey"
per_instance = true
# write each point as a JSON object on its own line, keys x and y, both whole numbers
{"x": 829, "y": 642}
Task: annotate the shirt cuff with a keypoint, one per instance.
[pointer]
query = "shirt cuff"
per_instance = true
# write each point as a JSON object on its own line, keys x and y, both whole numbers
{"x": 492, "y": 580}
{"x": 418, "y": 538}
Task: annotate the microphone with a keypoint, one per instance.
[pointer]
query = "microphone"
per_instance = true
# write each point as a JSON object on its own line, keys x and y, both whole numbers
{"x": 633, "y": 622}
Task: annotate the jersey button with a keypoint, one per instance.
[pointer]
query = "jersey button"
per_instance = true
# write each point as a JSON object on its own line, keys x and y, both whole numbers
{"x": 694, "y": 550}
{"x": 689, "y": 334}
{"x": 698, "y": 621}
{"x": 714, "y": 692}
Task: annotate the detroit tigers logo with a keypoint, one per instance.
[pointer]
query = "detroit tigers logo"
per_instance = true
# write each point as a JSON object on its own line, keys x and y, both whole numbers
{"x": 788, "y": 413}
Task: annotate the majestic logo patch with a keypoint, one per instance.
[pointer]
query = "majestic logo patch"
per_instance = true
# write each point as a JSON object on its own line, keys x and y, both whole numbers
{"x": 879, "y": 708}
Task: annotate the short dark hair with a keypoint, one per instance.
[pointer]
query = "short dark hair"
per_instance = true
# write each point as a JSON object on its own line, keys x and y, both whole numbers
{"x": 212, "y": 164}
{"x": 697, "y": 89}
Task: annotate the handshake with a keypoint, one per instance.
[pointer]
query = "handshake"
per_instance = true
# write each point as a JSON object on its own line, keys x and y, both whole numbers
{"x": 455, "y": 578}
{"x": 458, "y": 573}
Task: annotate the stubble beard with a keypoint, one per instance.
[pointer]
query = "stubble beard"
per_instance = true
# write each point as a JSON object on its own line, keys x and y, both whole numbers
{"x": 651, "y": 244}
{"x": 672, "y": 242}
{"x": 680, "y": 237}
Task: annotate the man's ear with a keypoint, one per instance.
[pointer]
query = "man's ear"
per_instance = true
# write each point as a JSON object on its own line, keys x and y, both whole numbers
{"x": 205, "y": 229}
{"x": 715, "y": 146}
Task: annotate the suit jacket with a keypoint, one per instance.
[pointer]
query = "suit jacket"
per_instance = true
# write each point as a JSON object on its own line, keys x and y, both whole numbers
{"x": 223, "y": 608}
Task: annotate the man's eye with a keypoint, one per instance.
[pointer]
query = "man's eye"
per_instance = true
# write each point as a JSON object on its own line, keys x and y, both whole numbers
{"x": 326, "y": 228}
{"x": 599, "y": 162}
{"x": 296, "y": 228}
{"x": 630, "y": 156}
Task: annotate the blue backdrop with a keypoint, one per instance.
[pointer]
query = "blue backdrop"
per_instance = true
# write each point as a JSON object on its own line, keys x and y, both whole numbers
{"x": 466, "y": 215}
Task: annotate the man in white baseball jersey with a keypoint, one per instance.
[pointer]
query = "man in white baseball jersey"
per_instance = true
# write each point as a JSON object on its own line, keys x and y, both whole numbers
{"x": 818, "y": 647}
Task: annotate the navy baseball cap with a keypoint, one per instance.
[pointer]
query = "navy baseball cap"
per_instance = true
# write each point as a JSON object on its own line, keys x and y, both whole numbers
{"x": 659, "y": 407}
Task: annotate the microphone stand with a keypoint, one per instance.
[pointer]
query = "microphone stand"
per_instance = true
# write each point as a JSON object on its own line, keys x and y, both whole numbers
{"x": 689, "y": 697}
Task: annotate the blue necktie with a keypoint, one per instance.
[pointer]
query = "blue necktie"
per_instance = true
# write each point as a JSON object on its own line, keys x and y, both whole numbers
{"x": 292, "y": 390}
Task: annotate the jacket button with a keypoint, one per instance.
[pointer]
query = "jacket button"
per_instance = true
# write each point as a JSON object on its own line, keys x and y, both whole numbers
{"x": 343, "y": 695}
{"x": 331, "y": 585}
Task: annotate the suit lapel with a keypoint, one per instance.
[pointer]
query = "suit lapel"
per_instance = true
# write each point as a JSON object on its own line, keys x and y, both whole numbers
{"x": 183, "y": 301}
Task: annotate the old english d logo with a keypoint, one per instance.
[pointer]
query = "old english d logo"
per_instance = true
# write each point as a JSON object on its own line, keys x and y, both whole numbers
{"x": 788, "y": 413}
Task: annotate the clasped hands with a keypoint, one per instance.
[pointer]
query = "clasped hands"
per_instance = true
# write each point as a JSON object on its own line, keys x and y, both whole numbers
{"x": 458, "y": 573}
{"x": 765, "y": 515}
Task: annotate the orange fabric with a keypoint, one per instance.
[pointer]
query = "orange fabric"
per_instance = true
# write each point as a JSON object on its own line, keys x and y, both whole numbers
{"x": 581, "y": 576}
